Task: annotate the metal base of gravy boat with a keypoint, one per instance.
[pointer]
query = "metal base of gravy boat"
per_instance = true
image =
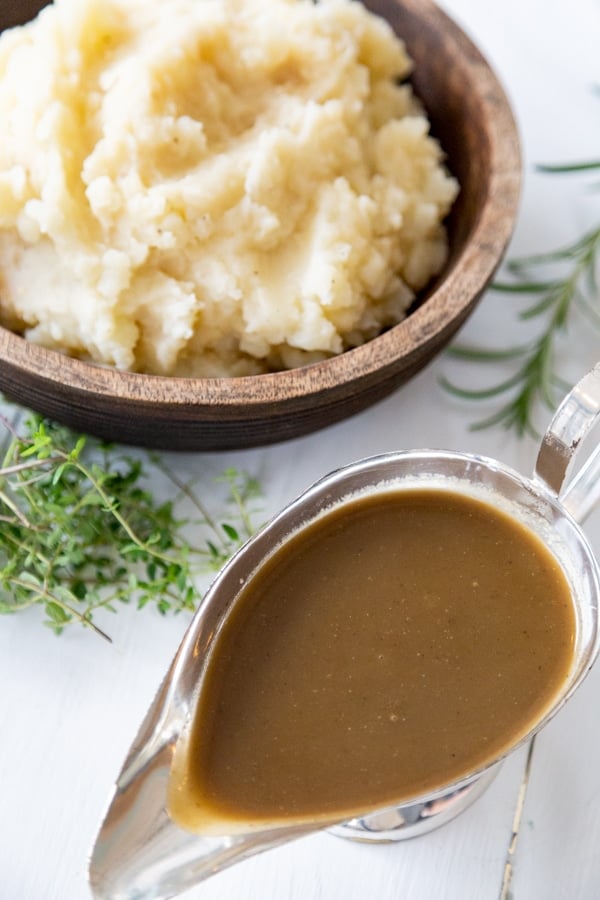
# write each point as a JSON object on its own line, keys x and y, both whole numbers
{"x": 415, "y": 819}
{"x": 141, "y": 854}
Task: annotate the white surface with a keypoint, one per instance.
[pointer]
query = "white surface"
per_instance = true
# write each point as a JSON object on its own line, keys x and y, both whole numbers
{"x": 69, "y": 707}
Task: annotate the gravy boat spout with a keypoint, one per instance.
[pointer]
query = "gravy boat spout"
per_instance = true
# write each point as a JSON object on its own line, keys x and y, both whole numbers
{"x": 141, "y": 853}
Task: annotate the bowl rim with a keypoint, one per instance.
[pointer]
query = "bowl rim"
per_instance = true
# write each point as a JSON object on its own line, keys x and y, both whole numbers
{"x": 463, "y": 281}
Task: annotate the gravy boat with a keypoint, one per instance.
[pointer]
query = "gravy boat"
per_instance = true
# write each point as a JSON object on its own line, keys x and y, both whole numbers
{"x": 141, "y": 854}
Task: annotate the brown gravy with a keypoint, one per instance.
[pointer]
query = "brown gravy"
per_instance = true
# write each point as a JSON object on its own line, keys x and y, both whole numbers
{"x": 396, "y": 644}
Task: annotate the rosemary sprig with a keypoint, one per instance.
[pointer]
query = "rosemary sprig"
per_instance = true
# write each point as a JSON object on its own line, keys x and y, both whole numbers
{"x": 562, "y": 282}
{"x": 81, "y": 531}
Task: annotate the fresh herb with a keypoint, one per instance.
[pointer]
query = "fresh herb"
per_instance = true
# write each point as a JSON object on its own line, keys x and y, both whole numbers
{"x": 80, "y": 530}
{"x": 563, "y": 282}
{"x": 569, "y": 167}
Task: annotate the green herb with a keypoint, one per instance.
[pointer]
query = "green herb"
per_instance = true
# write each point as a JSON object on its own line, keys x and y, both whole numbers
{"x": 562, "y": 282}
{"x": 569, "y": 167}
{"x": 80, "y": 530}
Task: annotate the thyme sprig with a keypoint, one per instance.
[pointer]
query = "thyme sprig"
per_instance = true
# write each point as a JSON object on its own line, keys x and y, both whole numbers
{"x": 562, "y": 282}
{"x": 80, "y": 530}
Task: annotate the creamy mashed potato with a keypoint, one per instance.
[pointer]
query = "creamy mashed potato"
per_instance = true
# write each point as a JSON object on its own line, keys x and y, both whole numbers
{"x": 212, "y": 187}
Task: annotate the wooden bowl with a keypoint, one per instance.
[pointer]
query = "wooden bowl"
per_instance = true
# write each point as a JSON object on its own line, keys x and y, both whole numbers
{"x": 471, "y": 117}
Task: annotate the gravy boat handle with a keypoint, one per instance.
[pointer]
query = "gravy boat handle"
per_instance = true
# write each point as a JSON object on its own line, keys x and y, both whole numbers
{"x": 572, "y": 423}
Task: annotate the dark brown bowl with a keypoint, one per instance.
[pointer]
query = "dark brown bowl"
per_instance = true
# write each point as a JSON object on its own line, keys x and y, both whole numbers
{"x": 471, "y": 116}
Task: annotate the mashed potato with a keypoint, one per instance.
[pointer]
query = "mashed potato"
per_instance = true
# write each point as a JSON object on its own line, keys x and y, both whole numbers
{"x": 212, "y": 187}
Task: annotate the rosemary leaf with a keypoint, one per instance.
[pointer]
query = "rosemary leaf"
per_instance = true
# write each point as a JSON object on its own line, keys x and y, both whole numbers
{"x": 481, "y": 393}
{"x": 568, "y": 167}
{"x": 484, "y": 354}
{"x": 524, "y": 287}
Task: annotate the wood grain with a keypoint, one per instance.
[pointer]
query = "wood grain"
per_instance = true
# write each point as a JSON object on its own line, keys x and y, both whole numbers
{"x": 471, "y": 116}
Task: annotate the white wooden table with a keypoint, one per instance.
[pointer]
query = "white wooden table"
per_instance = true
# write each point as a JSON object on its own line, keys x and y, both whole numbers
{"x": 70, "y": 706}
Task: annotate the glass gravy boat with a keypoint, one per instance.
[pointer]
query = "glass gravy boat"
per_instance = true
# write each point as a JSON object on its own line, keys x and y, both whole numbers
{"x": 141, "y": 854}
